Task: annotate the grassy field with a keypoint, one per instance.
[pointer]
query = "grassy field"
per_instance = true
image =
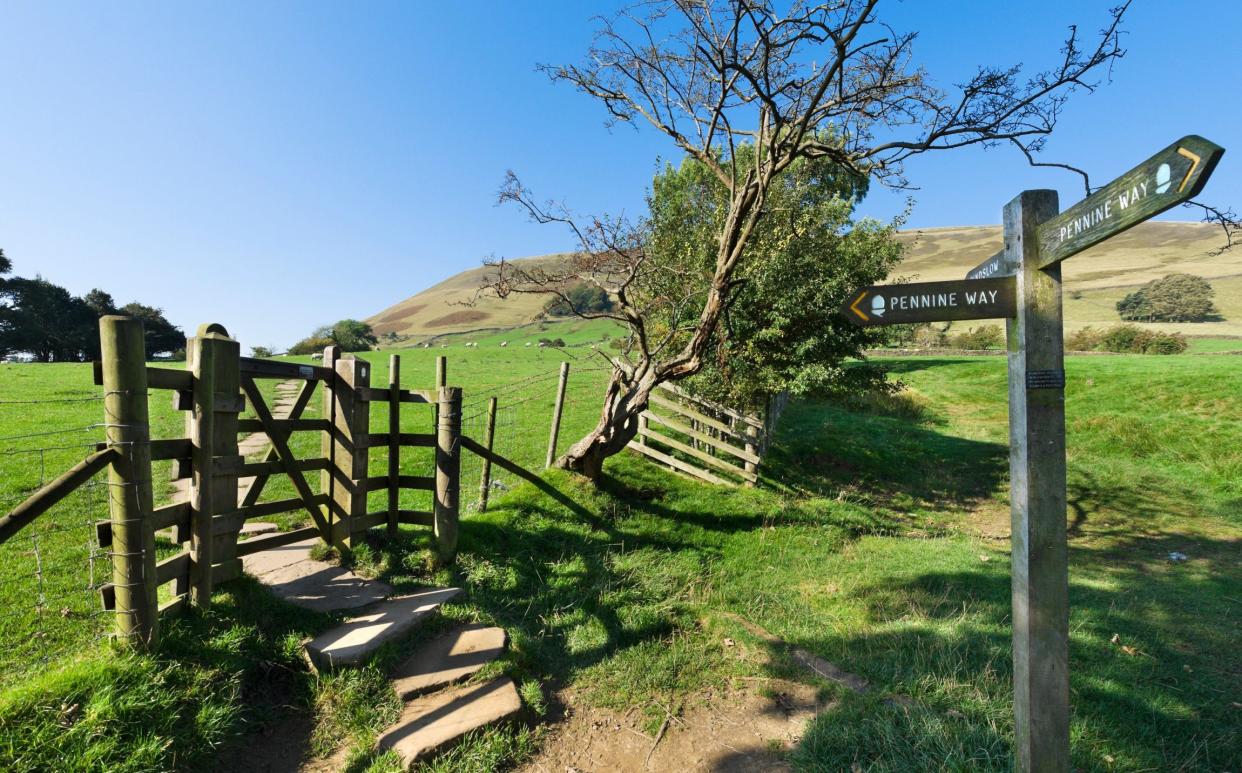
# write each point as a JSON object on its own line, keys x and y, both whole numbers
{"x": 879, "y": 541}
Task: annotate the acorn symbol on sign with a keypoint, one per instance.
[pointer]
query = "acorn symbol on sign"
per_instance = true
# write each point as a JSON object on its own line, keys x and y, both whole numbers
{"x": 877, "y": 305}
{"x": 1164, "y": 177}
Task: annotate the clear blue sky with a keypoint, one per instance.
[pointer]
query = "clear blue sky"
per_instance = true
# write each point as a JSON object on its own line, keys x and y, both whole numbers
{"x": 275, "y": 166}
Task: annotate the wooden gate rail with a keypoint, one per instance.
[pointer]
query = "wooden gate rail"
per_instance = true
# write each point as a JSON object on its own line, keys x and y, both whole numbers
{"x": 46, "y": 497}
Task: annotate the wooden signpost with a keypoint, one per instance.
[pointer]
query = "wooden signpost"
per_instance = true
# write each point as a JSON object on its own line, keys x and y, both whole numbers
{"x": 1026, "y": 279}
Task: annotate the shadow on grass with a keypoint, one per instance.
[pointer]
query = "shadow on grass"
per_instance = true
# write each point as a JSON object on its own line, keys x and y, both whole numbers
{"x": 1149, "y": 689}
{"x": 824, "y": 448}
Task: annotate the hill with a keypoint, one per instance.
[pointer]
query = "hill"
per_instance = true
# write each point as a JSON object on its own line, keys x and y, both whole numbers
{"x": 1094, "y": 280}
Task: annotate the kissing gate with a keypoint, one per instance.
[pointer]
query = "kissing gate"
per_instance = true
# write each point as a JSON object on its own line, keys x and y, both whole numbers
{"x": 213, "y": 391}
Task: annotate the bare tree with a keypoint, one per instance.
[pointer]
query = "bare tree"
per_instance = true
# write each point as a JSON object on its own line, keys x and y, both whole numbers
{"x": 816, "y": 80}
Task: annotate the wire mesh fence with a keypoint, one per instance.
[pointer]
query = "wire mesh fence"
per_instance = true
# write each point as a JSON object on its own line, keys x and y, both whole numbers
{"x": 51, "y": 571}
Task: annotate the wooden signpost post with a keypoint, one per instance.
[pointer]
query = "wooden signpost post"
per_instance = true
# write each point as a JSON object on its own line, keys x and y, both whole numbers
{"x": 1022, "y": 284}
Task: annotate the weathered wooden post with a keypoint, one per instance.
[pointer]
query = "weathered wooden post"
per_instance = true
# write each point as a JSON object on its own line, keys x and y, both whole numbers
{"x": 752, "y": 447}
{"x": 485, "y": 479}
{"x": 351, "y": 424}
{"x": 556, "y": 414}
{"x": 642, "y": 428}
{"x": 394, "y": 441}
{"x": 327, "y": 445}
{"x": 448, "y": 468}
{"x": 130, "y": 502}
{"x": 1037, "y": 494}
{"x": 211, "y": 426}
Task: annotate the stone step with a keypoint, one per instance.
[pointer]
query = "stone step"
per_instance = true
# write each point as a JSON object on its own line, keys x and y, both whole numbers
{"x": 434, "y": 722}
{"x": 353, "y": 641}
{"x": 290, "y": 573}
{"x": 254, "y": 528}
{"x": 449, "y": 658}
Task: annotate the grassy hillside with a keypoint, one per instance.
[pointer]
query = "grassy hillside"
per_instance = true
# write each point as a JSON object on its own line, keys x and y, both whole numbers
{"x": 1094, "y": 280}
{"x": 443, "y": 308}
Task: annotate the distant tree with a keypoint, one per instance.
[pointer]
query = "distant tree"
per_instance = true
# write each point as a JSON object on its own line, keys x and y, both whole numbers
{"x": 162, "y": 337}
{"x": 45, "y": 321}
{"x": 311, "y": 345}
{"x": 100, "y": 302}
{"x": 1173, "y": 298}
{"x": 353, "y": 336}
{"x": 349, "y": 334}
{"x": 6, "y": 265}
{"x": 579, "y": 299}
{"x": 261, "y": 351}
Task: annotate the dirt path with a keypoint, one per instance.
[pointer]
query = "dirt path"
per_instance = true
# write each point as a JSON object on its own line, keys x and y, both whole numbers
{"x": 746, "y": 727}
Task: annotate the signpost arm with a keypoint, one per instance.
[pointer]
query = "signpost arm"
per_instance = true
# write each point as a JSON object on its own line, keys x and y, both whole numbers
{"x": 1037, "y": 480}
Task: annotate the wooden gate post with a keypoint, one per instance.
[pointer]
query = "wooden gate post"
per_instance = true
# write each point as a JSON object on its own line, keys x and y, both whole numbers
{"x": 214, "y": 359}
{"x": 394, "y": 441}
{"x": 128, "y": 432}
{"x": 1037, "y": 481}
{"x": 752, "y": 447}
{"x": 448, "y": 469}
{"x": 351, "y": 424}
{"x": 485, "y": 479}
{"x": 556, "y": 414}
{"x": 327, "y": 444}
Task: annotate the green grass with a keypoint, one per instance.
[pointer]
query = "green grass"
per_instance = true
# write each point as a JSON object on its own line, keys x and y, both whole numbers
{"x": 877, "y": 542}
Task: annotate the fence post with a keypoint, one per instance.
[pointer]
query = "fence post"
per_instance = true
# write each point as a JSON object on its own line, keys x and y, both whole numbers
{"x": 556, "y": 414}
{"x": 485, "y": 480}
{"x": 327, "y": 444}
{"x": 351, "y": 424}
{"x": 394, "y": 440}
{"x": 642, "y": 428}
{"x": 752, "y": 447}
{"x": 448, "y": 468}
{"x": 130, "y": 502}
{"x": 214, "y": 359}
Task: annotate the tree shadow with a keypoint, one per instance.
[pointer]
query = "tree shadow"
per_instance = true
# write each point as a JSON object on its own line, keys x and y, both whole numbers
{"x": 825, "y": 449}
{"x": 1148, "y": 686}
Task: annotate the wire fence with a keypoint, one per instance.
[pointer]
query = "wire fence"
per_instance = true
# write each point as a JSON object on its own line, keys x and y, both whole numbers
{"x": 51, "y": 571}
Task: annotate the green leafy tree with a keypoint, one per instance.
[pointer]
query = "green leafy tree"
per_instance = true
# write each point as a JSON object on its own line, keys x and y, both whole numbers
{"x": 261, "y": 351}
{"x": 1173, "y": 298}
{"x": 100, "y": 302}
{"x": 45, "y": 321}
{"x": 311, "y": 345}
{"x": 579, "y": 299}
{"x": 163, "y": 338}
{"x": 799, "y": 82}
{"x": 781, "y": 330}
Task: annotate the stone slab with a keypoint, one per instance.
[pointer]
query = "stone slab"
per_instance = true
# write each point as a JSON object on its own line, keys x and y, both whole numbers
{"x": 434, "y": 722}
{"x": 257, "y": 527}
{"x": 267, "y": 561}
{"x": 323, "y": 587}
{"x": 449, "y": 658}
{"x": 356, "y": 639}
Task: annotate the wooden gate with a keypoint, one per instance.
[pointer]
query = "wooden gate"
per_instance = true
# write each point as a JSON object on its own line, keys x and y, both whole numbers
{"x": 223, "y": 489}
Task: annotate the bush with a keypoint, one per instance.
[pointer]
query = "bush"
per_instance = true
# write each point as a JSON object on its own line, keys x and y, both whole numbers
{"x": 1132, "y": 339}
{"x": 311, "y": 345}
{"x": 984, "y": 337}
{"x": 1166, "y": 343}
{"x": 1085, "y": 340}
{"x": 585, "y": 299}
{"x": 1173, "y": 298}
{"x": 928, "y": 337}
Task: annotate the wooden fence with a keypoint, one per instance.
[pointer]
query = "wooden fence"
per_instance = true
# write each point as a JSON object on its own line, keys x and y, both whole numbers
{"x": 703, "y": 439}
{"x": 207, "y": 520}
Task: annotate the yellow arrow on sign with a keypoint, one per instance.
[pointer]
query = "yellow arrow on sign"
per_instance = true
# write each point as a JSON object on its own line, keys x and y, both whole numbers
{"x": 1194, "y": 164}
{"x": 854, "y": 306}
